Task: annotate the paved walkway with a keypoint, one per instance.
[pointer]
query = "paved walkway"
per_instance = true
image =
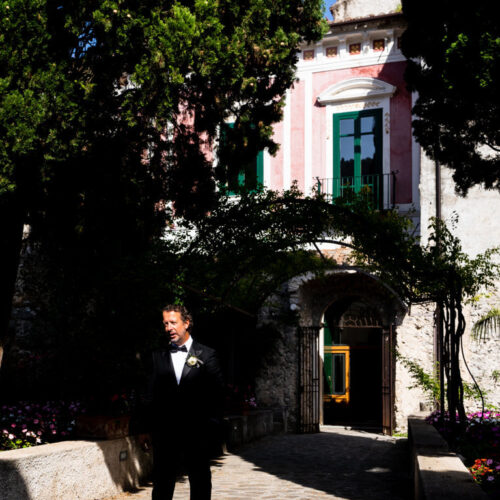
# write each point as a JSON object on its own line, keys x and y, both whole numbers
{"x": 335, "y": 464}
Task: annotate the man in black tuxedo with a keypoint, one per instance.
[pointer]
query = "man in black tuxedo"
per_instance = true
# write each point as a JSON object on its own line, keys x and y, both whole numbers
{"x": 186, "y": 394}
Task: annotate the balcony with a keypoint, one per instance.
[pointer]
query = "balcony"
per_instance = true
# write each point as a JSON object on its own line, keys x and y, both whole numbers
{"x": 380, "y": 189}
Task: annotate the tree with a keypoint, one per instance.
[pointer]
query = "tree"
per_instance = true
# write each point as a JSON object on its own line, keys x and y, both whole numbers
{"x": 109, "y": 107}
{"x": 454, "y": 66}
{"x": 238, "y": 244}
{"x": 442, "y": 273}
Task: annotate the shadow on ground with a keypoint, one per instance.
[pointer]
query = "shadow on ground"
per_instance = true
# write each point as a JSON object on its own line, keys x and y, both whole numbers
{"x": 347, "y": 464}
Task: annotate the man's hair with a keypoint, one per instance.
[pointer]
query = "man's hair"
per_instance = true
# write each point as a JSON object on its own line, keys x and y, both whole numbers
{"x": 185, "y": 315}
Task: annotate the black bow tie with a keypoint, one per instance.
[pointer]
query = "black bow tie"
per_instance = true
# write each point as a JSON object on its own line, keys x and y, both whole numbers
{"x": 176, "y": 348}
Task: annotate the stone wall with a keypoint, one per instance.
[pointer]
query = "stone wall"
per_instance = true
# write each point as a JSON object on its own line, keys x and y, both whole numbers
{"x": 344, "y": 10}
{"x": 414, "y": 341}
{"x": 276, "y": 383}
{"x": 483, "y": 357}
{"x": 73, "y": 470}
{"x": 472, "y": 219}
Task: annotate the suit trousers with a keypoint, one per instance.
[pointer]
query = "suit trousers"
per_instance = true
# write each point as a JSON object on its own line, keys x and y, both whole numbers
{"x": 173, "y": 455}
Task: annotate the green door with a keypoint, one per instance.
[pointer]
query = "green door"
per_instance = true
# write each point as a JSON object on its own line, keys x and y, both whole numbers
{"x": 357, "y": 153}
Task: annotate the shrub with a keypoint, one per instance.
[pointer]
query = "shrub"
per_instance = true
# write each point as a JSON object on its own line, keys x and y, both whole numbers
{"x": 25, "y": 424}
{"x": 480, "y": 439}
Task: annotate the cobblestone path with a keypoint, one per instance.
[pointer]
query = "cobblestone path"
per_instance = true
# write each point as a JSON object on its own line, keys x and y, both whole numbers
{"x": 335, "y": 464}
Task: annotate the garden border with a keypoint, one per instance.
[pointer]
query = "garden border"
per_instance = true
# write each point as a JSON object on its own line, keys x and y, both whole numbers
{"x": 98, "y": 469}
{"x": 438, "y": 473}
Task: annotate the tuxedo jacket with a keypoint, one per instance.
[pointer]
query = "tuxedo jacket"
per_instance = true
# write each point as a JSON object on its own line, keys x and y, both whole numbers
{"x": 196, "y": 402}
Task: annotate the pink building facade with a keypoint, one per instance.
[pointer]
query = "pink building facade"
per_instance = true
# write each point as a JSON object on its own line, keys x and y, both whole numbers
{"x": 347, "y": 120}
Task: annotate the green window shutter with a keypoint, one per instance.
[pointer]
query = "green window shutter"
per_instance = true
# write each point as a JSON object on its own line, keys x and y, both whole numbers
{"x": 259, "y": 168}
{"x": 251, "y": 173}
{"x": 327, "y": 335}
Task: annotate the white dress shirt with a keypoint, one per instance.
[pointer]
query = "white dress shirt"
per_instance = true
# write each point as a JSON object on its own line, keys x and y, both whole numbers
{"x": 179, "y": 359}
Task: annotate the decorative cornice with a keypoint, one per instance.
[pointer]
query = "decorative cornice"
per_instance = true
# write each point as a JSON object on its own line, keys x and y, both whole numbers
{"x": 356, "y": 89}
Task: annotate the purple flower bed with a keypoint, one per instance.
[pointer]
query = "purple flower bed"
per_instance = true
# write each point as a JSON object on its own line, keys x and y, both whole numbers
{"x": 27, "y": 424}
{"x": 480, "y": 444}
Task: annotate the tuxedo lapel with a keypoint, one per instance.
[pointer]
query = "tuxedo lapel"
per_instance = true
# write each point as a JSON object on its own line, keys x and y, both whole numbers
{"x": 194, "y": 351}
{"x": 168, "y": 366}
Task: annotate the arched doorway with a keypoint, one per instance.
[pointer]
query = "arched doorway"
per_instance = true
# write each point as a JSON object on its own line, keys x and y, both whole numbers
{"x": 360, "y": 312}
{"x": 366, "y": 311}
{"x": 351, "y": 349}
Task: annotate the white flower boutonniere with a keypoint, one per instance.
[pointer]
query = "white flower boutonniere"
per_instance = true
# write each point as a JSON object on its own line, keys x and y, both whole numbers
{"x": 193, "y": 360}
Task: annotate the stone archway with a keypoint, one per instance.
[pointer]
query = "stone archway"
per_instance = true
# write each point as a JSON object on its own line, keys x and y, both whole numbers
{"x": 366, "y": 311}
{"x": 290, "y": 374}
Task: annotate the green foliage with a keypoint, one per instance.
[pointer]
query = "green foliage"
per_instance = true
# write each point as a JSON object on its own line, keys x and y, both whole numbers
{"x": 400, "y": 434}
{"x": 487, "y": 323}
{"x": 244, "y": 249}
{"x": 75, "y": 75}
{"x": 472, "y": 392}
{"x": 14, "y": 444}
{"x": 430, "y": 384}
{"x": 457, "y": 112}
{"x": 223, "y": 265}
{"x": 426, "y": 382}
{"x": 107, "y": 111}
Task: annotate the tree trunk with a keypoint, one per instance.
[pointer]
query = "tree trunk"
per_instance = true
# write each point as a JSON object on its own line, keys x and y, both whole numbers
{"x": 11, "y": 227}
{"x": 454, "y": 329}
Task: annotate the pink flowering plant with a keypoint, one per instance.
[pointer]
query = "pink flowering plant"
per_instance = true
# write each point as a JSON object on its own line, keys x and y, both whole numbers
{"x": 25, "y": 424}
{"x": 479, "y": 444}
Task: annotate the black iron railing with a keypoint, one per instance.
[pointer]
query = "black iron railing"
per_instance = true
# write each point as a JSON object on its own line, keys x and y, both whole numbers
{"x": 380, "y": 189}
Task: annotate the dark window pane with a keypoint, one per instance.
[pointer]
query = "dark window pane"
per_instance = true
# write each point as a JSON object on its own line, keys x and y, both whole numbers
{"x": 250, "y": 176}
{"x": 367, "y": 124}
{"x": 347, "y": 126}
{"x": 233, "y": 181}
{"x": 368, "y": 164}
{"x": 339, "y": 373}
{"x": 346, "y": 156}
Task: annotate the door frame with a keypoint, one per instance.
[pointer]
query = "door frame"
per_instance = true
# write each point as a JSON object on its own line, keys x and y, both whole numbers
{"x": 356, "y": 116}
{"x": 388, "y": 379}
{"x": 388, "y": 371}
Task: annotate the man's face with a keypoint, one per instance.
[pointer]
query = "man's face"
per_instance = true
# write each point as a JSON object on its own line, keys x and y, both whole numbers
{"x": 175, "y": 328}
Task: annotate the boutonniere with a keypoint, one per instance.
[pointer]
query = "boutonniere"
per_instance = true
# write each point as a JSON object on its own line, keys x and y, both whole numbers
{"x": 193, "y": 360}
